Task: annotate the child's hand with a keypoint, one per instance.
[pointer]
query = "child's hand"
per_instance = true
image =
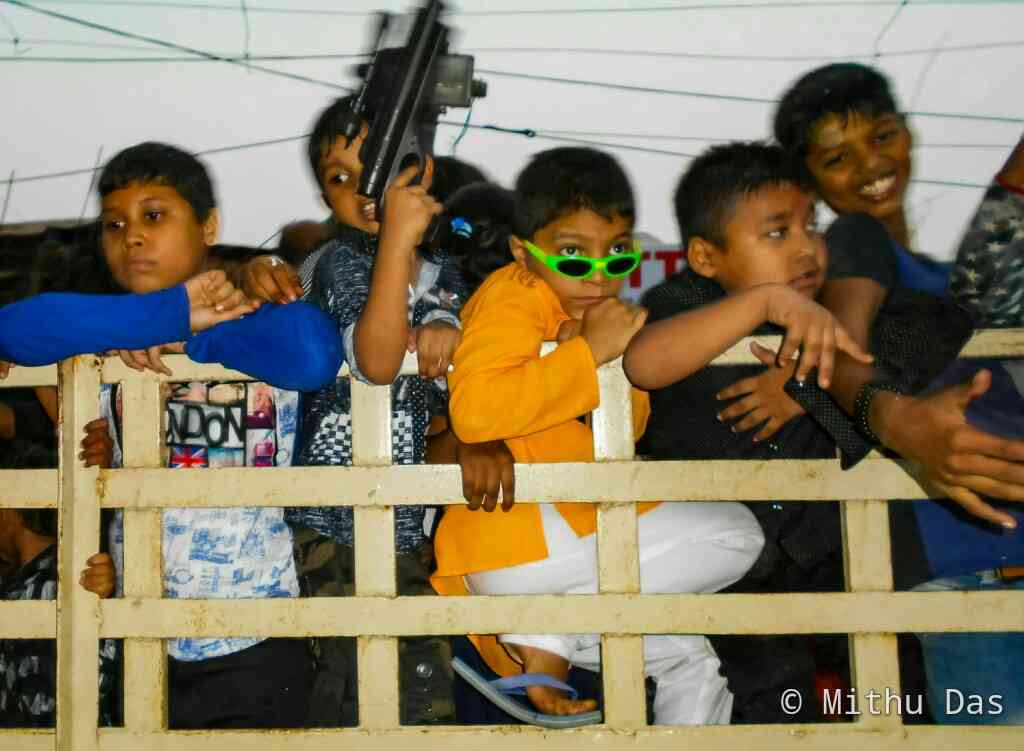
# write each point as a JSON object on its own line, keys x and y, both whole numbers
{"x": 5, "y": 368}
{"x": 435, "y": 344}
{"x": 766, "y": 398}
{"x": 98, "y": 576}
{"x": 569, "y": 329}
{"x": 809, "y": 324}
{"x": 97, "y": 446}
{"x": 608, "y": 327}
{"x": 141, "y": 359}
{"x": 488, "y": 471}
{"x": 270, "y": 278}
{"x": 213, "y": 299}
{"x": 408, "y": 209}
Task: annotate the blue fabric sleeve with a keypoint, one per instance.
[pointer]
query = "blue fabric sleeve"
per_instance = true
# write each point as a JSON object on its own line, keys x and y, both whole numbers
{"x": 294, "y": 346}
{"x": 50, "y": 327}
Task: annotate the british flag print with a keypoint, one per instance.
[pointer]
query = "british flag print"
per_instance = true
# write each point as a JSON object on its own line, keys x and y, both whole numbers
{"x": 185, "y": 457}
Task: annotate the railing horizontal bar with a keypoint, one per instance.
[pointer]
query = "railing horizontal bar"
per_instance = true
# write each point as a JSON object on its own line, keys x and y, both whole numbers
{"x": 830, "y": 737}
{"x": 28, "y": 740}
{"x": 987, "y": 343}
{"x": 22, "y": 377}
{"x": 777, "y": 479}
{"x": 803, "y": 613}
{"x": 28, "y": 488}
{"x": 28, "y": 619}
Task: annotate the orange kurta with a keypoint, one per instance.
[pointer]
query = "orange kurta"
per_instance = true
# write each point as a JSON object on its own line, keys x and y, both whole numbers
{"x": 501, "y": 388}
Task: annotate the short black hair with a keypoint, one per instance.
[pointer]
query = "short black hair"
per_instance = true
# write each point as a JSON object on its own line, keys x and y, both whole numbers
{"x": 451, "y": 174}
{"x": 490, "y": 211}
{"x": 709, "y": 190}
{"x": 838, "y": 89}
{"x": 162, "y": 164}
{"x": 331, "y": 124}
{"x": 560, "y": 181}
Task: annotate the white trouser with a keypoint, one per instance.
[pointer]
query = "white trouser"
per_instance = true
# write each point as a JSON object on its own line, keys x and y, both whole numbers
{"x": 684, "y": 548}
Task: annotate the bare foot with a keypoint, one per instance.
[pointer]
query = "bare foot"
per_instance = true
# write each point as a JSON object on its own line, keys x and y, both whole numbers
{"x": 545, "y": 699}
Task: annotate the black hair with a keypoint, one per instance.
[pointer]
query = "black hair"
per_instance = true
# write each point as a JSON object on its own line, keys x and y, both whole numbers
{"x": 162, "y": 164}
{"x": 560, "y": 181}
{"x": 332, "y": 124}
{"x": 482, "y": 248}
{"x": 451, "y": 174}
{"x": 709, "y": 190}
{"x": 838, "y": 89}
{"x": 57, "y": 259}
{"x": 22, "y": 454}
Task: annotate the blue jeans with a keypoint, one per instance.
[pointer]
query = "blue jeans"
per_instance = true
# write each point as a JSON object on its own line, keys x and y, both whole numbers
{"x": 975, "y": 678}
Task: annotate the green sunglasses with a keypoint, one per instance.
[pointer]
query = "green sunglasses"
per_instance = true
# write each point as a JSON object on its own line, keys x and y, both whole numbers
{"x": 581, "y": 267}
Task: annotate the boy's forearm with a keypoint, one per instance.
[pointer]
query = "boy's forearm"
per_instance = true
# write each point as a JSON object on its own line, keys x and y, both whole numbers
{"x": 382, "y": 331}
{"x": 674, "y": 348}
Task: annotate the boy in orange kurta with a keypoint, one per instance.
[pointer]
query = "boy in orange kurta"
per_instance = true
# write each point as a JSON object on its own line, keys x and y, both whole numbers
{"x": 573, "y": 249}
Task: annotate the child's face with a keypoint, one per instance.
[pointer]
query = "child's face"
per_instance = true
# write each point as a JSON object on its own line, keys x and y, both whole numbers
{"x": 151, "y": 238}
{"x": 861, "y": 164}
{"x": 340, "y": 168}
{"x": 579, "y": 233}
{"x": 771, "y": 237}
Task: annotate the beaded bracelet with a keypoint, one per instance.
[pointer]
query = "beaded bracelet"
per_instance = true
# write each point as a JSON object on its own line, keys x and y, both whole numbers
{"x": 862, "y": 403}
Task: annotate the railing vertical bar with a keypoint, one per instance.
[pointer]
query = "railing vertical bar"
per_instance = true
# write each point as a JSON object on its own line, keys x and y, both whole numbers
{"x": 78, "y": 612}
{"x": 145, "y": 674}
{"x": 874, "y": 660}
{"x": 375, "y": 558}
{"x": 617, "y": 554}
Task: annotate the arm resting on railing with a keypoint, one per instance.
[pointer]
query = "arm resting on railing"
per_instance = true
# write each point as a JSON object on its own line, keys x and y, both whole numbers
{"x": 56, "y": 325}
{"x": 294, "y": 346}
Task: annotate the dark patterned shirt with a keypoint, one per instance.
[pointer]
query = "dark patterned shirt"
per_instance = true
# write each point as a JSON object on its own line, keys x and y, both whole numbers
{"x": 988, "y": 276}
{"x": 28, "y": 667}
{"x": 340, "y": 286}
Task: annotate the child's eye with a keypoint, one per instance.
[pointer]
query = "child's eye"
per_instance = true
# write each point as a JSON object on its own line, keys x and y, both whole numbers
{"x": 153, "y": 215}
{"x": 571, "y": 251}
{"x": 835, "y": 161}
{"x": 619, "y": 248}
{"x": 112, "y": 225}
{"x": 777, "y": 234}
{"x": 338, "y": 179}
{"x": 885, "y": 136}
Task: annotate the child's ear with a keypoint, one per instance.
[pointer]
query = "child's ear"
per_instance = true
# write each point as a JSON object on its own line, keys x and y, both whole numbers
{"x": 702, "y": 255}
{"x": 518, "y": 249}
{"x": 211, "y": 227}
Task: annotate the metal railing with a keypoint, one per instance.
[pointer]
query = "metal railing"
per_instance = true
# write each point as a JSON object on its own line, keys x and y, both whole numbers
{"x": 869, "y": 610}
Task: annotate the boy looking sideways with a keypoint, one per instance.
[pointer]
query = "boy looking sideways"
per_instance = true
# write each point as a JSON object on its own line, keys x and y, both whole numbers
{"x": 159, "y": 220}
{"x": 386, "y": 296}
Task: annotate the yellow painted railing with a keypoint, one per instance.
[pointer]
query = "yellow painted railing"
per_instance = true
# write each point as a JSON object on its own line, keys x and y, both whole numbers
{"x": 869, "y": 610}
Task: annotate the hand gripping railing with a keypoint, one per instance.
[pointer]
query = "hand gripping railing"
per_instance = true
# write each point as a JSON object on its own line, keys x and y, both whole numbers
{"x": 869, "y": 610}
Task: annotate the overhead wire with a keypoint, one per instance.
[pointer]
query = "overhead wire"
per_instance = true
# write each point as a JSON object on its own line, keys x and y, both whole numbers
{"x": 170, "y": 45}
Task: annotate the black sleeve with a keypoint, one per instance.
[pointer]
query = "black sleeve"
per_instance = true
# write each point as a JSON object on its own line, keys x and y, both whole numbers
{"x": 679, "y": 293}
{"x": 860, "y": 246}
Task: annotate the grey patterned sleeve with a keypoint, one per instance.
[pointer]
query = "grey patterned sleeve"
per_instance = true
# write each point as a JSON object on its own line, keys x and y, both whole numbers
{"x": 988, "y": 276}
{"x": 340, "y": 286}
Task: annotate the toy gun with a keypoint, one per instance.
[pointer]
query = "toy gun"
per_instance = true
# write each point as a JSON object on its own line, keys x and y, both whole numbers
{"x": 406, "y": 87}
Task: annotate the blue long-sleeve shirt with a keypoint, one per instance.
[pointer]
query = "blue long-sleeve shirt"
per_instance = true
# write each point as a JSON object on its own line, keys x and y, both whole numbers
{"x": 294, "y": 346}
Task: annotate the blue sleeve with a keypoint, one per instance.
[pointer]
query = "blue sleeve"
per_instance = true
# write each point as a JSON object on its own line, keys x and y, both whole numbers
{"x": 50, "y": 327}
{"x": 294, "y": 346}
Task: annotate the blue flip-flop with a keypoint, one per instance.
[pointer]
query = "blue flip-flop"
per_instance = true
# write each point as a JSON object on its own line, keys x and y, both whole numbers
{"x": 501, "y": 691}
